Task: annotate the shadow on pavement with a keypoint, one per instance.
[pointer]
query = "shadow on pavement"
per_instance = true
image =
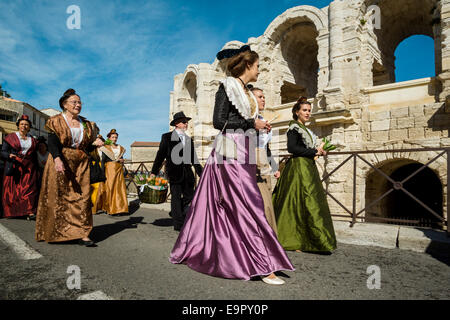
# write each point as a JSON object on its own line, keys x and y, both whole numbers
{"x": 134, "y": 206}
{"x": 167, "y": 222}
{"x": 103, "y": 232}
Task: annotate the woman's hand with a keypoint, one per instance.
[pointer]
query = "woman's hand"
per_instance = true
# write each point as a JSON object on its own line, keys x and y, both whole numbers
{"x": 277, "y": 174}
{"x": 59, "y": 165}
{"x": 260, "y": 124}
{"x": 12, "y": 156}
{"x": 98, "y": 142}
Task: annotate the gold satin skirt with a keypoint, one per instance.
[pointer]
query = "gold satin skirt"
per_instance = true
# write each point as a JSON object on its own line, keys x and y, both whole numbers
{"x": 115, "y": 191}
{"x": 64, "y": 210}
{"x": 97, "y": 196}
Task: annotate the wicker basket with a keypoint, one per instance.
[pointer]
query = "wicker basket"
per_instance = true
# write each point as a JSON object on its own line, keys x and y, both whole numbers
{"x": 153, "y": 196}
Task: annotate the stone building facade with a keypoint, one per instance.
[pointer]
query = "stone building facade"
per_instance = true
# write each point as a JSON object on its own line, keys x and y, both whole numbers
{"x": 143, "y": 151}
{"x": 345, "y": 64}
{"x": 11, "y": 110}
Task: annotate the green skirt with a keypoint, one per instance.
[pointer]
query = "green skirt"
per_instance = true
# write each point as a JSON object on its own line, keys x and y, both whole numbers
{"x": 301, "y": 209}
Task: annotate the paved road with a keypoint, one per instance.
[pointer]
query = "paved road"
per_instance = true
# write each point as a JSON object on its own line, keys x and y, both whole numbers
{"x": 131, "y": 262}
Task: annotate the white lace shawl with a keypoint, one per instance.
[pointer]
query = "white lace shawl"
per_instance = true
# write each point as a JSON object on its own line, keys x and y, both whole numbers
{"x": 238, "y": 98}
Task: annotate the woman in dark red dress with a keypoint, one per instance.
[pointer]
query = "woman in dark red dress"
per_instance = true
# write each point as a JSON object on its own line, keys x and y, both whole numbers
{"x": 20, "y": 191}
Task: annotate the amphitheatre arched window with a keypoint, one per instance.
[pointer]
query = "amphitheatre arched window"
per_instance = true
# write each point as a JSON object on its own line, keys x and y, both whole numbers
{"x": 414, "y": 58}
{"x": 400, "y": 20}
{"x": 190, "y": 87}
{"x": 299, "y": 50}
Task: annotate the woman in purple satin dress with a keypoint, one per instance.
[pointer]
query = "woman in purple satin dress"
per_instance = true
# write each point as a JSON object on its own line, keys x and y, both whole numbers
{"x": 226, "y": 233}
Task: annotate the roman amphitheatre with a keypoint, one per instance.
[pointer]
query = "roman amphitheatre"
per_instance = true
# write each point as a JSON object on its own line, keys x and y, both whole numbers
{"x": 385, "y": 130}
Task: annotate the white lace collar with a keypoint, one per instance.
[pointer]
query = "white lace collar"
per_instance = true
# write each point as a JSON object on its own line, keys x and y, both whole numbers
{"x": 238, "y": 98}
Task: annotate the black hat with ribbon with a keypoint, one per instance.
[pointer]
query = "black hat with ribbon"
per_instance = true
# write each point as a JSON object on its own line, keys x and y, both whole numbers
{"x": 177, "y": 117}
{"x": 228, "y": 53}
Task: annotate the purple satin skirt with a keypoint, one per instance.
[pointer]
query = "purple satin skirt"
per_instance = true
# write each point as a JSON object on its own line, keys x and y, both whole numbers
{"x": 226, "y": 233}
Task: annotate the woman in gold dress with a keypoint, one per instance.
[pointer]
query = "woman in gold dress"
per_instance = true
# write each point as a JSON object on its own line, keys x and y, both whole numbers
{"x": 64, "y": 209}
{"x": 115, "y": 197}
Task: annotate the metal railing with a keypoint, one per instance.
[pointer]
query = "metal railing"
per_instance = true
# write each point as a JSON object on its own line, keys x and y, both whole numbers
{"x": 396, "y": 185}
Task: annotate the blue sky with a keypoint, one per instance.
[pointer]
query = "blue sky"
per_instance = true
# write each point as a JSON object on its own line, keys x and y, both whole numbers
{"x": 123, "y": 59}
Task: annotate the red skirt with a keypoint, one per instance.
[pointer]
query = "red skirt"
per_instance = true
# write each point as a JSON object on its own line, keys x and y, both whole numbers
{"x": 20, "y": 191}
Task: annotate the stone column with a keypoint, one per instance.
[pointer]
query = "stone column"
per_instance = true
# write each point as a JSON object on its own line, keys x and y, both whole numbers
{"x": 333, "y": 93}
{"x": 444, "y": 45}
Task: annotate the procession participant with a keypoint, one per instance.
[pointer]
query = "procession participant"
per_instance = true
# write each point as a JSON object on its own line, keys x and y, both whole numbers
{"x": 115, "y": 191}
{"x": 303, "y": 217}
{"x": 64, "y": 210}
{"x": 226, "y": 233}
{"x": 20, "y": 181}
{"x": 178, "y": 149}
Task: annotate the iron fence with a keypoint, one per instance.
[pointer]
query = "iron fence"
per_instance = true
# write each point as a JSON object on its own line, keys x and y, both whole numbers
{"x": 396, "y": 185}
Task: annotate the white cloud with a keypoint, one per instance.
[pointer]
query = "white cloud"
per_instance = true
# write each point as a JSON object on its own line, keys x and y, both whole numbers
{"x": 122, "y": 61}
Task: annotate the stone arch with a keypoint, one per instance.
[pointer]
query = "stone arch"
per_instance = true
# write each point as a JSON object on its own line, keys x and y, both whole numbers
{"x": 400, "y": 20}
{"x": 299, "y": 58}
{"x": 186, "y": 99}
{"x": 189, "y": 84}
{"x": 398, "y": 205}
{"x": 291, "y": 17}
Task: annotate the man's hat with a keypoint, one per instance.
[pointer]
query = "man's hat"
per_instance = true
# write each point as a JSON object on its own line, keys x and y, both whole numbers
{"x": 177, "y": 117}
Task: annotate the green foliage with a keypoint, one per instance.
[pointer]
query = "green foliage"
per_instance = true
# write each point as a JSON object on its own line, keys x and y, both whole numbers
{"x": 328, "y": 146}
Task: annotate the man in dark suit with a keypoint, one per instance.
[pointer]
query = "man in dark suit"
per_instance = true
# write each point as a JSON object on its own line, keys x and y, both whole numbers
{"x": 178, "y": 150}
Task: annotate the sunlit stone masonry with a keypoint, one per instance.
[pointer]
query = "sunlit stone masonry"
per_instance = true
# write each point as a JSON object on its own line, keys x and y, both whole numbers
{"x": 339, "y": 58}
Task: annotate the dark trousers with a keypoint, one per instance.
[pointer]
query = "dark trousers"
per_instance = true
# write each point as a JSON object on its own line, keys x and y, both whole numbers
{"x": 182, "y": 194}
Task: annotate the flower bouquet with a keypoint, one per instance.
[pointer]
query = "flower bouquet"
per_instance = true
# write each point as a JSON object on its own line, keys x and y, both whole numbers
{"x": 327, "y": 146}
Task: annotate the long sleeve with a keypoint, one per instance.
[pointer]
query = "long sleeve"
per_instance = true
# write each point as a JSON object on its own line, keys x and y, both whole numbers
{"x": 222, "y": 110}
{"x": 297, "y": 147}
{"x": 160, "y": 156}
{"x": 54, "y": 145}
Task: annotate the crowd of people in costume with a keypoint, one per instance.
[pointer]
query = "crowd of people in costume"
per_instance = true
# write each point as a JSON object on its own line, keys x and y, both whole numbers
{"x": 231, "y": 225}
{"x": 52, "y": 182}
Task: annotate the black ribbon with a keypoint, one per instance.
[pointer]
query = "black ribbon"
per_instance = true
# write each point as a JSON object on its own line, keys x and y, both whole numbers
{"x": 228, "y": 53}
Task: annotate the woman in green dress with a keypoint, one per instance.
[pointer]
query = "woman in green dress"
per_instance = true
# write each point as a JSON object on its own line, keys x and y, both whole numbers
{"x": 301, "y": 209}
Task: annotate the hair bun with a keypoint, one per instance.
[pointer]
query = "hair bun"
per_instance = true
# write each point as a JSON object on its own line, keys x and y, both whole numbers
{"x": 70, "y": 92}
{"x": 111, "y": 132}
{"x": 302, "y": 99}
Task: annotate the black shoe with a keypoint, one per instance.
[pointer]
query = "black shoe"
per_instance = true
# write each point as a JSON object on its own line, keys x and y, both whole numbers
{"x": 177, "y": 228}
{"x": 89, "y": 243}
{"x": 31, "y": 217}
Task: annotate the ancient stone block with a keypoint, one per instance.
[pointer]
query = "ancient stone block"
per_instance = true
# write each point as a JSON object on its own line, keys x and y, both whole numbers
{"x": 380, "y": 125}
{"x": 400, "y": 112}
{"x": 416, "y": 133}
{"x": 399, "y": 134}
{"x": 430, "y": 133}
{"x": 380, "y": 115}
{"x": 403, "y": 123}
{"x": 415, "y": 111}
{"x": 379, "y": 136}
